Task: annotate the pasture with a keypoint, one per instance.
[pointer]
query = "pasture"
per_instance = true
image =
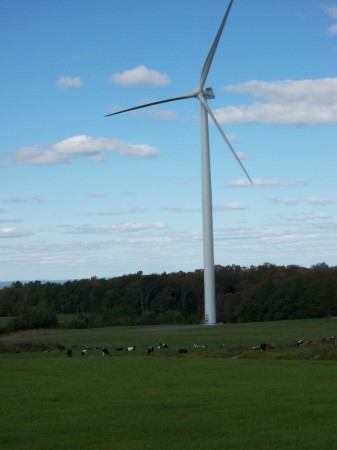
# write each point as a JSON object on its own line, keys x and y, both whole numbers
{"x": 205, "y": 399}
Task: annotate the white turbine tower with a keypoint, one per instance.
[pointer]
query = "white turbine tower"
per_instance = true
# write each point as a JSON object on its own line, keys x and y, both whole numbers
{"x": 207, "y": 216}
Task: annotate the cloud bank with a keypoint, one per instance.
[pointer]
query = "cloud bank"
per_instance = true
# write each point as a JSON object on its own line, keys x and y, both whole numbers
{"x": 128, "y": 227}
{"x": 13, "y": 233}
{"x": 81, "y": 146}
{"x": 243, "y": 182}
{"x": 289, "y": 102}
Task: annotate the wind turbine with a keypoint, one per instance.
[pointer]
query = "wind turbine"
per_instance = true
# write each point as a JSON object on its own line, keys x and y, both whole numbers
{"x": 207, "y": 216}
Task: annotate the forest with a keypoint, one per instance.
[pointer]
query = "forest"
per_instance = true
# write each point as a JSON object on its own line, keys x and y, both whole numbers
{"x": 243, "y": 294}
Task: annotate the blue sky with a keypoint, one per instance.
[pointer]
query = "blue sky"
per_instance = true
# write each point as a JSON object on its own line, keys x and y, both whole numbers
{"x": 85, "y": 195}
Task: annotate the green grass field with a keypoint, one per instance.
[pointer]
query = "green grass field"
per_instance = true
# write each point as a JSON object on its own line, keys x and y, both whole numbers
{"x": 132, "y": 401}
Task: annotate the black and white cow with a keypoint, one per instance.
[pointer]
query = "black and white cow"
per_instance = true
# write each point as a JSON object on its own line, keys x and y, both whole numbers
{"x": 161, "y": 345}
{"x": 150, "y": 350}
{"x": 131, "y": 349}
{"x": 199, "y": 346}
{"x": 263, "y": 347}
{"x": 105, "y": 351}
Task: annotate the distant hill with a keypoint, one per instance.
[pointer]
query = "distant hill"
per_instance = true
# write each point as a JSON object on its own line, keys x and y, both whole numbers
{"x": 5, "y": 284}
{"x": 9, "y": 283}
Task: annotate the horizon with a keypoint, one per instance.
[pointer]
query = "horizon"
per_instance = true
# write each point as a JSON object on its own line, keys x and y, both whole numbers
{"x": 5, "y": 283}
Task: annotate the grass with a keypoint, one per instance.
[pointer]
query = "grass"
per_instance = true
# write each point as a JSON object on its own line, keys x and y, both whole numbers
{"x": 134, "y": 402}
{"x": 166, "y": 403}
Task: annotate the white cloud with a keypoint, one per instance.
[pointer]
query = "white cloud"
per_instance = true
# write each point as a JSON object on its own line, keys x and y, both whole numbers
{"x": 119, "y": 228}
{"x": 70, "y": 83}
{"x": 123, "y": 212}
{"x": 332, "y": 12}
{"x": 318, "y": 201}
{"x": 9, "y": 220}
{"x": 283, "y": 201}
{"x": 140, "y": 76}
{"x": 15, "y": 200}
{"x": 297, "y": 183}
{"x": 305, "y": 217}
{"x": 97, "y": 195}
{"x": 178, "y": 209}
{"x": 242, "y": 155}
{"x": 230, "y": 206}
{"x": 162, "y": 115}
{"x": 82, "y": 146}
{"x": 303, "y": 102}
{"x": 216, "y": 208}
{"x": 13, "y": 233}
{"x": 243, "y": 182}
{"x": 332, "y": 29}
{"x": 313, "y": 91}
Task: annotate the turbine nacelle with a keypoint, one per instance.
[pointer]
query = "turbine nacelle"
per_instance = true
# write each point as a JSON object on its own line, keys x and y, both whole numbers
{"x": 208, "y": 93}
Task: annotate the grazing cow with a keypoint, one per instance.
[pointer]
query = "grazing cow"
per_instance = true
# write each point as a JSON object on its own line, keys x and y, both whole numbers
{"x": 84, "y": 354}
{"x": 69, "y": 353}
{"x": 182, "y": 350}
{"x": 131, "y": 349}
{"x": 162, "y": 345}
{"x": 150, "y": 350}
{"x": 119, "y": 349}
{"x": 255, "y": 347}
{"x": 301, "y": 342}
{"x": 105, "y": 351}
{"x": 263, "y": 347}
{"x": 200, "y": 346}
{"x": 331, "y": 340}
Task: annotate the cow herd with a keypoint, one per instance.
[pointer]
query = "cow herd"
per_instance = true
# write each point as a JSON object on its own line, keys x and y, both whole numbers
{"x": 161, "y": 346}
{"x": 150, "y": 350}
{"x": 181, "y": 350}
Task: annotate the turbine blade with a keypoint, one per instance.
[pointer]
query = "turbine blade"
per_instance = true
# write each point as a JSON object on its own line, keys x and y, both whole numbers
{"x": 216, "y": 123}
{"x": 211, "y": 53}
{"x": 182, "y": 97}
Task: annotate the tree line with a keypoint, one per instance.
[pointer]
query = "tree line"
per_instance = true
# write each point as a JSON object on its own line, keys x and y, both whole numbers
{"x": 258, "y": 293}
